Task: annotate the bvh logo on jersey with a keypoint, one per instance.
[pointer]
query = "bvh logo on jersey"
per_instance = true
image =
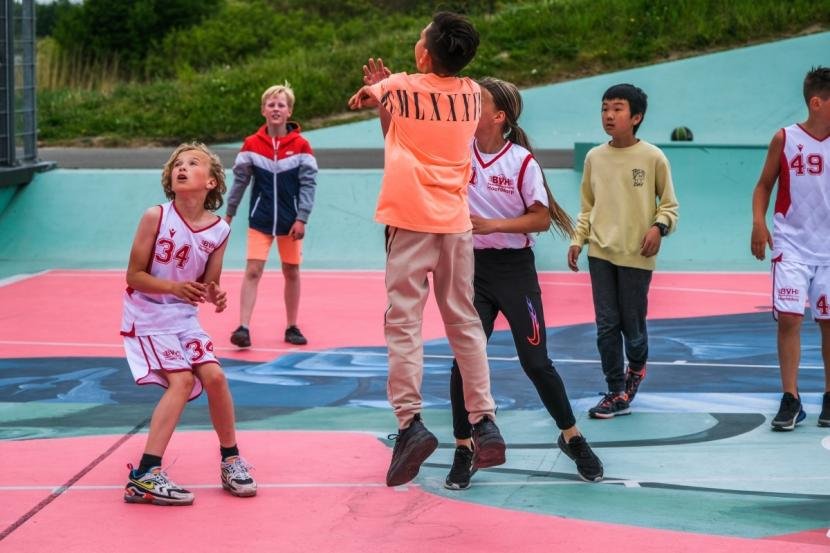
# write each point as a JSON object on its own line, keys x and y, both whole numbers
{"x": 500, "y": 183}
{"x": 207, "y": 246}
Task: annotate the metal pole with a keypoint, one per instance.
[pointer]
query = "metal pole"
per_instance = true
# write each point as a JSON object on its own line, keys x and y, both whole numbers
{"x": 29, "y": 131}
{"x": 7, "y": 153}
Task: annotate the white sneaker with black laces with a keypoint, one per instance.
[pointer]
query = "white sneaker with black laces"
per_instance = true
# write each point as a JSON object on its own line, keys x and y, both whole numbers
{"x": 236, "y": 478}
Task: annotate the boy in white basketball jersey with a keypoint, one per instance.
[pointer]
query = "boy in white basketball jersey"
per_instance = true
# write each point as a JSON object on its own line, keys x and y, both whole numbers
{"x": 175, "y": 264}
{"x": 800, "y": 243}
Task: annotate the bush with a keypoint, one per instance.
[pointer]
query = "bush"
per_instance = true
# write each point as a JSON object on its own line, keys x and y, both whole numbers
{"x": 126, "y": 29}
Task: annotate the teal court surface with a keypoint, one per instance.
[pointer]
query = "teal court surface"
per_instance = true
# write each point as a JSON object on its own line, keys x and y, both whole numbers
{"x": 694, "y": 468}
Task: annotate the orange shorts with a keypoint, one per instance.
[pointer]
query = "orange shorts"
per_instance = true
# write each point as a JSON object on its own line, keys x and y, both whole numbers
{"x": 259, "y": 243}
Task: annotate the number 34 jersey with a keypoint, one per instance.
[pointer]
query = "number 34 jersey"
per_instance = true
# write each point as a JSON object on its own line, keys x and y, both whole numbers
{"x": 180, "y": 254}
{"x": 802, "y": 206}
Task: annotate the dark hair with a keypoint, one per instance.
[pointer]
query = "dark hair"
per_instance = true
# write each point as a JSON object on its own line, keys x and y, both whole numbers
{"x": 451, "y": 40}
{"x": 817, "y": 83}
{"x": 636, "y": 98}
{"x": 506, "y": 98}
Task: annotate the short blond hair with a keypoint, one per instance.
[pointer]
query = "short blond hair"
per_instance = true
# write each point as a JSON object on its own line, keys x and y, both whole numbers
{"x": 284, "y": 88}
{"x": 213, "y": 200}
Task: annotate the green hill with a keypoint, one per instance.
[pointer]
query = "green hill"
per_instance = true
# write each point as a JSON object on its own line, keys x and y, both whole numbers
{"x": 204, "y": 82}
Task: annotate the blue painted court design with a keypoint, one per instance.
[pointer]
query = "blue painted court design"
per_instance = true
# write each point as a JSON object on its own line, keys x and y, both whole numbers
{"x": 696, "y": 467}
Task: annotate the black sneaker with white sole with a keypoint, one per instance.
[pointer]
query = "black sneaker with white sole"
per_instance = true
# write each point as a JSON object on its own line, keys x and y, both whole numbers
{"x": 462, "y": 469}
{"x": 824, "y": 417}
{"x": 789, "y": 414}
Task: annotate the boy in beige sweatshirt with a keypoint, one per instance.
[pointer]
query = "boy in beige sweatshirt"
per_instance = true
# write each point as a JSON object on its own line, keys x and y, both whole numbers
{"x": 628, "y": 206}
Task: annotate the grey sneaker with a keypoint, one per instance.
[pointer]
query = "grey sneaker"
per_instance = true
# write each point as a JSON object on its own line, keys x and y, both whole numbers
{"x": 156, "y": 488}
{"x": 633, "y": 379}
{"x": 236, "y": 478}
{"x": 611, "y": 405}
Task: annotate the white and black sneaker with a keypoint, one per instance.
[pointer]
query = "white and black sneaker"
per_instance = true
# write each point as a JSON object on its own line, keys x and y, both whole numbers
{"x": 155, "y": 487}
{"x": 789, "y": 414}
{"x": 236, "y": 478}
{"x": 462, "y": 469}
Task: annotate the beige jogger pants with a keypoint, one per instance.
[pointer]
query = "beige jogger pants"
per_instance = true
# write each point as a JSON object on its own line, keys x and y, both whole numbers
{"x": 410, "y": 256}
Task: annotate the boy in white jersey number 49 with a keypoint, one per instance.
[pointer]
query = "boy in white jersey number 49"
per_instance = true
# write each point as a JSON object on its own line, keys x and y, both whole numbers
{"x": 797, "y": 158}
{"x": 175, "y": 264}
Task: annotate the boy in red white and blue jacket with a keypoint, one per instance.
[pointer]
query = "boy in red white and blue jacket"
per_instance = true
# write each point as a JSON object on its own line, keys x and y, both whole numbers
{"x": 281, "y": 165}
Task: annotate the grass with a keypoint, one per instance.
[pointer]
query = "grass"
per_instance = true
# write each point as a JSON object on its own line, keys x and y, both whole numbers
{"x": 529, "y": 42}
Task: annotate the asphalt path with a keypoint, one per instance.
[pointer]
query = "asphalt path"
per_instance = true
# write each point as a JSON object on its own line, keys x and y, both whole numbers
{"x": 154, "y": 158}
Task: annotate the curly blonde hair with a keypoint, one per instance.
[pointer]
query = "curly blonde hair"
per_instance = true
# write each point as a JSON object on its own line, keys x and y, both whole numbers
{"x": 213, "y": 200}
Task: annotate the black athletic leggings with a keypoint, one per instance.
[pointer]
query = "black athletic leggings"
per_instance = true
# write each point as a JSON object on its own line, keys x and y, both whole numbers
{"x": 506, "y": 281}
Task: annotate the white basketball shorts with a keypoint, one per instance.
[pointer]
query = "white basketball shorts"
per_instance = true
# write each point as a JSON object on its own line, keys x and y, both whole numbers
{"x": 794, "y": 283}
{"x": 151, "y": 356}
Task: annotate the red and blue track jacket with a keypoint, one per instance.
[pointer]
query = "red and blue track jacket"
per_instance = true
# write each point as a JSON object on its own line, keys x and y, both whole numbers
{"x": 284, "y": 173}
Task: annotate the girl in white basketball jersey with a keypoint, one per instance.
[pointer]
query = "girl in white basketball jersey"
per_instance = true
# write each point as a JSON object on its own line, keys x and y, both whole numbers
{"x": 509, "y": 201}
{"x": 175, "y": 264}
{"x": 797, "y": 158}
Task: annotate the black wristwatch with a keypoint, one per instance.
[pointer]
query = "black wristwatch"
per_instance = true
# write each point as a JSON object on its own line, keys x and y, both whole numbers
{"x": 663, "y": 228}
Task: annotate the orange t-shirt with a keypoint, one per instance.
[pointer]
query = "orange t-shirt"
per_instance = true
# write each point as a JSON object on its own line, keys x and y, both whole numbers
{"x": 427, "y": 151}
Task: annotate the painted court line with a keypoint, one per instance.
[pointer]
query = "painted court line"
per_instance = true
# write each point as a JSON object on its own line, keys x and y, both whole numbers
{"x": 379, "y": 275}
{"x": 669, "y": 289}
{"x": 62, "y": 489}
{"x": 537, "y": 481}
{"x": 683, "y": 362}
{"x": 20, "y": 278}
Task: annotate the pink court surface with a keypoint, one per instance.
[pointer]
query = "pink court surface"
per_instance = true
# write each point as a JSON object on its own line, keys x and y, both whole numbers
{"x": 685, "y": 480}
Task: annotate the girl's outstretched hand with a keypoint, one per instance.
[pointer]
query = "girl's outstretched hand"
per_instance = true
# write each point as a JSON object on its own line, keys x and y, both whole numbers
{"x": 217, "y": 296}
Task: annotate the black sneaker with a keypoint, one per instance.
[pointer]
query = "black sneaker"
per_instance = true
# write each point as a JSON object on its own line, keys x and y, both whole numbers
{"x": 294, "y": 336}
{"x": 611, "y": 405}
{"x": 488, "y": 445}
{"x": 632, "y": 382}
{"x": 588, "y": 464}
{"x": 241, "y": 337}
{"x": 412, "y": 447}
{"x": 462, "y": 469}
{"x": 824, "y": 417}
{"x": 789, "y": 414}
